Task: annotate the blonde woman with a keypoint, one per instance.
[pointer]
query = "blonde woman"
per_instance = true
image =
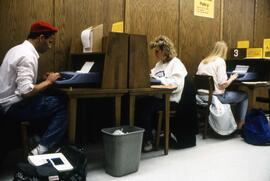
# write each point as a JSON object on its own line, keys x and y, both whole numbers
{"x": 214, "y": 65}
{"x": 169, "y": 70}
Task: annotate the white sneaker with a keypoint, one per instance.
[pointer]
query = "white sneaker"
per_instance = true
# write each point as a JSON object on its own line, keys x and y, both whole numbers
{"x": 148, "y": 146}
{"x": 39, "y": 150}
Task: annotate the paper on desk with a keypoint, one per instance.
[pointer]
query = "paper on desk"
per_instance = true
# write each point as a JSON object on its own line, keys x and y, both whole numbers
{"x": 241, "y": 69}
{"x": 86, "y": 67}
{"x": 256, "y": 82}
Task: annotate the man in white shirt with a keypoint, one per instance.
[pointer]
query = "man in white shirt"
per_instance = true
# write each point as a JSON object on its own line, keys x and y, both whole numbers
{"x": 22, "y": 98}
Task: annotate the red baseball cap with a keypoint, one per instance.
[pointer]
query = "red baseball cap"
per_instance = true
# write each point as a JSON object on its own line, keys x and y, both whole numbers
{"x": 42, "y": 26}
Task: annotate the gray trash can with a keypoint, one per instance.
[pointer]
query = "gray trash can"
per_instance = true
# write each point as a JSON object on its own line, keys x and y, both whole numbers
{"x": 122, "y": 152}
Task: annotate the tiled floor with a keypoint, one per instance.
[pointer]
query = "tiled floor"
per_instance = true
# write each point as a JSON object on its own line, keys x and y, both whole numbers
{"x": 213, "y": 159}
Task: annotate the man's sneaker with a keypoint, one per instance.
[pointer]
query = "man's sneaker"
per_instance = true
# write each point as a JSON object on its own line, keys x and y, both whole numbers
{"x": 39, "y": 150}
{"x": 147, "y": 146}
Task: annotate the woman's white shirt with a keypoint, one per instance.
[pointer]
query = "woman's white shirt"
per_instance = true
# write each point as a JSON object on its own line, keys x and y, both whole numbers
{"x": 217, "y": 69}
{"x": 172, "y": 73}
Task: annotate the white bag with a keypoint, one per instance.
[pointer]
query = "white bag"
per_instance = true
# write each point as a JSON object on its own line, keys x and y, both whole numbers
{"x": 221, "y": 118}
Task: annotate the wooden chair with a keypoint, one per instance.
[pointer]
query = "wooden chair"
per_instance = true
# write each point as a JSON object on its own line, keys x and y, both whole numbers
{"x": 159, "y": 126}
{"x": 24, "y": 133}
{"x": 183, "y": 117}
{"x": 204, "y": 82}
{"x": 25, "y": 138}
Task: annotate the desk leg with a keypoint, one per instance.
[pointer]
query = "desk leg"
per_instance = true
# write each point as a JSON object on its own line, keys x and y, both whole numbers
{"x": 72, "y": 119}
{"x": 251, "y": 100}
{"x": 131, "y": 109}
{"x": 167, "y": 123}
{"x": 117, "y": 110}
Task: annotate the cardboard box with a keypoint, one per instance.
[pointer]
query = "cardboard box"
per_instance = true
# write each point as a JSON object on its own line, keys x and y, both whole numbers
{"x": 92, "y": 39}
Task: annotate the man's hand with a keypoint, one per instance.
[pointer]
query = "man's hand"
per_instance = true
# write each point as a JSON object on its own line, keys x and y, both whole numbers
{"x": 52, "y": 76}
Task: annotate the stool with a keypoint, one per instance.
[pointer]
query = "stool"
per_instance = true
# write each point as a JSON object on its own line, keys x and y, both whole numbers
{"x": 24, "y": 135}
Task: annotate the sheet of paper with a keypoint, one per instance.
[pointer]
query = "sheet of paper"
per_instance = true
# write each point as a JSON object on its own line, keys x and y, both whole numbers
{"x": 241, "y": 69}
{"x": 85, "y": 38}
{"x": 86, "y": 67}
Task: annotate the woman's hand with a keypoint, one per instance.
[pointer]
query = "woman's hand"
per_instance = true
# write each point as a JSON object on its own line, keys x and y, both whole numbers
{"x": 228, "y": 82}
{"x": 233, "y": 77}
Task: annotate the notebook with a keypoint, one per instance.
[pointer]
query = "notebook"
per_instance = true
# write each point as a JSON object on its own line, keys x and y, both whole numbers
{"x": 58, "y": 160}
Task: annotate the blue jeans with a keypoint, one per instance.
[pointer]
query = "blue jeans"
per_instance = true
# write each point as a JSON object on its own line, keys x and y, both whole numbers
{"x": 236, "y": 97}
{"x": 43, "y": 109}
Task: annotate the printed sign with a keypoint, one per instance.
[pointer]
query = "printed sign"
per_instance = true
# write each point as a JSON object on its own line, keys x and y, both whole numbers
{"x": 204, "y": 8}
{"x": 254, "y": 53}
{"x": 118, "y": 27}
{"x": 243, "y": 44}
{"x": 237, "y": 53}
{"x": 266, "y": 48}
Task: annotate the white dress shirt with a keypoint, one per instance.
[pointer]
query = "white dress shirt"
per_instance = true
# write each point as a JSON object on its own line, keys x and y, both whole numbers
{"x": 171, "y": 73}
{"x": 18, "y": 73}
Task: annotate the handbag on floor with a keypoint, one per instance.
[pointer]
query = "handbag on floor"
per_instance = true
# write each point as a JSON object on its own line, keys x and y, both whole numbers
{"x": 256, "y": 130}
{"x": 28, "y": 172}
{"x": 47, "y": 172}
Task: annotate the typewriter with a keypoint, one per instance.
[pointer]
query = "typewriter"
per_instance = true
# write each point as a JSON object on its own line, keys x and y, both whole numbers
{"x": 243, "y": 73}
{"x": 82, "y": 78}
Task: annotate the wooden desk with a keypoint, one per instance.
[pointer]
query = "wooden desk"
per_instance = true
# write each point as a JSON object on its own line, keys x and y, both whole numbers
{"x": 152, "y": 91}
{"x": 75, "y": 93}
{"x": 251, "y": 86}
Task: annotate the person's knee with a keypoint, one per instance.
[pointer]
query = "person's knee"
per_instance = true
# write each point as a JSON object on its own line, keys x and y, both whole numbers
{"x": 243, "y": 95}
{"x": 56, "y": 102}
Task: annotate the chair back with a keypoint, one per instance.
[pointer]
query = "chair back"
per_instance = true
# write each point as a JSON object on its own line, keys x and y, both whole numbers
{"x": 205, "y": 82}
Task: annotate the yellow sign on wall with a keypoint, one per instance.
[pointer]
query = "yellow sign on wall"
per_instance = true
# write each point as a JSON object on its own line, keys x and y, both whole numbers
{"x": 254, "y": 53}
{"x": 118, "y": 27}
{"x": 266, "y": 48}
{"x": 204, "y": 8}
{"x": 243, "y": 44}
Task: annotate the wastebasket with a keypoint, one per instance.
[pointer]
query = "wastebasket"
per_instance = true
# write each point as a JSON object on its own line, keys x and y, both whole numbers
{"x": 122, "y": 152}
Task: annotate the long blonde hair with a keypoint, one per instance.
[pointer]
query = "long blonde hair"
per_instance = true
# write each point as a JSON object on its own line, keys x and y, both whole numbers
{"x": 220, "y": 50}
{"x": 166, "y": 46}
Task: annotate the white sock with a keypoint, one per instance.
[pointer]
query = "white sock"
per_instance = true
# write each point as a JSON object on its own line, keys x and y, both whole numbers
{"x": 40, "y": 149}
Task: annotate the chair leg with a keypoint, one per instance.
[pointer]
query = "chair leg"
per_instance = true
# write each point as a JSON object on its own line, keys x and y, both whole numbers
{"x": 205, "y": 127}
{"x": 24, "y": 134}
{"x": 159, "y": 124}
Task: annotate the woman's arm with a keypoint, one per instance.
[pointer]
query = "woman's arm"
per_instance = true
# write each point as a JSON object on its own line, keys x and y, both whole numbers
{"x": 228, "y": 82}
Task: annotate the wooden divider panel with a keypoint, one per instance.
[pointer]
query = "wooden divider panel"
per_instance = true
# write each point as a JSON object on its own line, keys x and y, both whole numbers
{"x": 116, "y": 61}
{"x": 138, "y": 62}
